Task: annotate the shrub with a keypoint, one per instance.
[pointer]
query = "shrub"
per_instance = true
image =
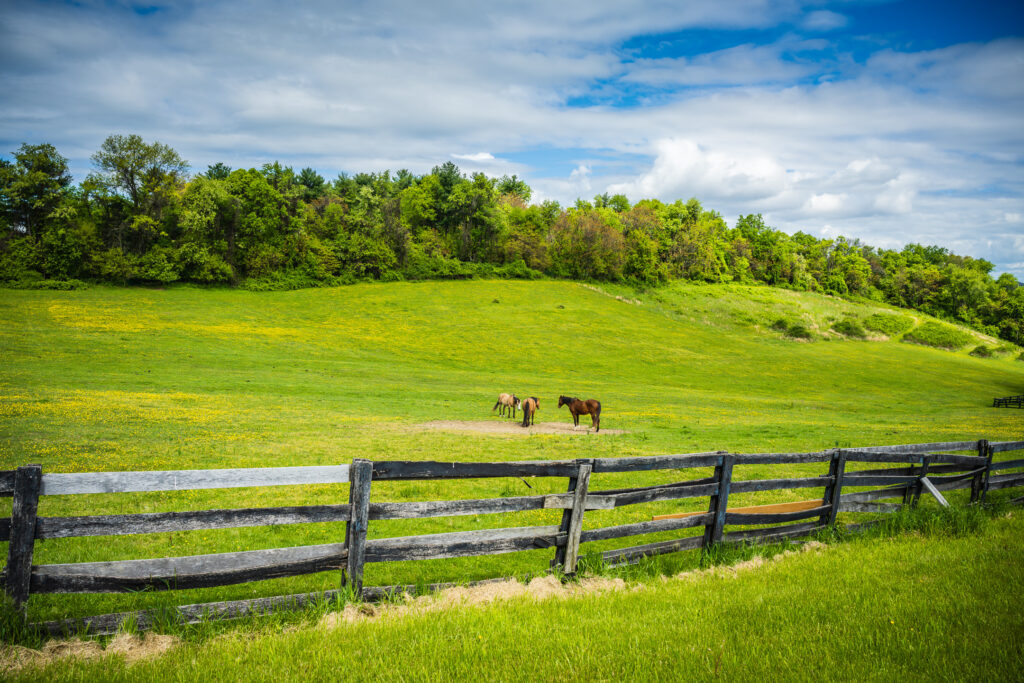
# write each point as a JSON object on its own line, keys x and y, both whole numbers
{"x": 780, "y": 325}
{"x": 981, "y": 351}
{"x": 60, "y": 285}
{"x": 938, "y": 335}
{"x": 798, "y": 331}
{"x": 888, "y": 324}
{"x": 849, "y": 328}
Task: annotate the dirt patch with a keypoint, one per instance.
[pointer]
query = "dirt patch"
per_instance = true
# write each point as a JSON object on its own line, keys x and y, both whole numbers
{"x": 513, "y": 427}
{"x": 133, "y": 648}
{"x": 540, "y": 588}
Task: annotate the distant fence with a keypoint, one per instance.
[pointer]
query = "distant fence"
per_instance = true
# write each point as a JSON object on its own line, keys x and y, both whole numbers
{"x": 922, "y": 467}
{"x": 1008, "y": 402}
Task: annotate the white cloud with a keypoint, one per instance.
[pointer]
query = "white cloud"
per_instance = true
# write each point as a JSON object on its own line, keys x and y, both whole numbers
{"x": 905, "y": 146}
{"x": 478, "y": 157}
{"x": 823, "y": 20}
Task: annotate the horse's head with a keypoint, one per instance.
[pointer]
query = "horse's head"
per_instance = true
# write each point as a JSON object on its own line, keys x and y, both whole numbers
{"x": 519, "y": 404}
{"x": 536, "y": 402}
{"x": 562, "y": 400}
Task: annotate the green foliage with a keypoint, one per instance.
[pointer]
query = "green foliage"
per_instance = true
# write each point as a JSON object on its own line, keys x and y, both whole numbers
{"x": 938, "y": 335}
{"x": 139, "y": 218}
{"x": 849, "y": 327}
{"x": 799, "y": 331}
{"x": 888, "y": 323}
{"x": 982, "y": 351}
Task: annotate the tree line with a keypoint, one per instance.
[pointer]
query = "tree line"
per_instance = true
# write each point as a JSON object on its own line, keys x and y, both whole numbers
{"x": 140, "y": 217}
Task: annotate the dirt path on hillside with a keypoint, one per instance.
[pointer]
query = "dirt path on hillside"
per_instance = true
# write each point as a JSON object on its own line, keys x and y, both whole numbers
{"x": 514, "y": 427}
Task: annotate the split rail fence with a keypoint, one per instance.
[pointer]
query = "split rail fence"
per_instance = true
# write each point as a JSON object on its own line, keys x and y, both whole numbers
{"x": 1008, "y": 402}
{"x": 919, "y": 468}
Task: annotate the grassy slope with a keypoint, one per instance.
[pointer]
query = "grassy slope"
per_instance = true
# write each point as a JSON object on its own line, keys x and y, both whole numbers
{"x": 907, "y": 608}
{"x": 109, "y": 379}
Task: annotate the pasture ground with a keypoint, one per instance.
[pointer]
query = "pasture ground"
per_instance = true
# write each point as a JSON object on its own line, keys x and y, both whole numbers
{"x": 132, "y": 379}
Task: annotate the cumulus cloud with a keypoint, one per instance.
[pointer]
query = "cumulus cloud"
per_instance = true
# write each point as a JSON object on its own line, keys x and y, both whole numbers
{"x": 901, "y": 146}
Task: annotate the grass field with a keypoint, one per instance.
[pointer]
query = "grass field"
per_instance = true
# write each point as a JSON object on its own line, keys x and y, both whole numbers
{"x": 129, "y": 379}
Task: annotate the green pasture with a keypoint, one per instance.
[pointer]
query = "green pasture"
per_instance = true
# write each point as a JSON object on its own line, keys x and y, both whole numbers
{"x": 182, "y": 378}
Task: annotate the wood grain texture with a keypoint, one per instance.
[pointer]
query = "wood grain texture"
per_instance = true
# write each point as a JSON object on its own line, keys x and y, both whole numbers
{"x": 917, "y": 448}
{"x": 359, "y": 522}
{"x": 779, "y": 484}
{"x": 572, "y": 541}
{"x": 463, "y": 543}
{"x": 1006, "y": 465}
{"x": 159, "y": 522}
{"x": 193, "y": 571}
{"x": 869, "y": 507}
{"x": 775, "y": 533}
{"x": 7, "y": 482}
{"x": 930, "y": 488}
{"x": 187, "y": 480}
{"x": 24, "y": 508}
{"x": 1002, "y": 446}
{"x": 652, "y": 527}
{"x": 650, "y": 495}
{"x": 636, "y": 553}
{"x": 426, "y": 469}
{"x": 657, "y": 462}
{"x": 782, "y": 458}
{"x": 776, "y": 517}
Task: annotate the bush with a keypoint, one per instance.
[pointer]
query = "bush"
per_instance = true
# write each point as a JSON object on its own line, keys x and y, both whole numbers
{"x": 798, "y": 331}
{"x": 780, "y": 325}
{"x": 849, "y": 328}
{"x": 939, "y": 336}
{"x": 888, "y": 324}
{"x": 981, "y": 351}
{"x": 59, "y": 285}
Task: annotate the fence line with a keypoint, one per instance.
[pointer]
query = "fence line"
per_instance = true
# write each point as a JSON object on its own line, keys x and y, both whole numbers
{"x": 921, "y": 468}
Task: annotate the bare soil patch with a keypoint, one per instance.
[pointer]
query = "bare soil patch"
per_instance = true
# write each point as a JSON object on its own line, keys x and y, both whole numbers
{"x": 132, "y": 647}
{"x": 514, "y": 427}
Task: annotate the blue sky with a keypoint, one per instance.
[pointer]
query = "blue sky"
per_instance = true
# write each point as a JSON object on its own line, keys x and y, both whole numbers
{"x": 890, "y": 122}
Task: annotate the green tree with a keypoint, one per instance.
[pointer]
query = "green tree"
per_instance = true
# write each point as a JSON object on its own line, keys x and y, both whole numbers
{"x": 137, "y": 168}
{"x": 32, "y": 188}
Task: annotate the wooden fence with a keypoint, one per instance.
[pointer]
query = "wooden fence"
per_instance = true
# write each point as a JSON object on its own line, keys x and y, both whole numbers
{"x": 1008, "y": 402}
{"x": 920, "y": 468}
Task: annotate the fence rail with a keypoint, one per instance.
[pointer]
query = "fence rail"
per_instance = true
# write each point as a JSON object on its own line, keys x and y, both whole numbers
{"x": 919, "y": 468}
{"x": 1008, "y": 402}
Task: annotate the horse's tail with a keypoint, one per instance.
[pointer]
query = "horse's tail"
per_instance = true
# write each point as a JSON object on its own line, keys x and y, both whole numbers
{"x": 526, "y": 413}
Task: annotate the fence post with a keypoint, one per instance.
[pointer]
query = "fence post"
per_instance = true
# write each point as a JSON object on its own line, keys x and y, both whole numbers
{"x": 564, "y": 525}
{"x": 989, "y": 452}
{"x": 27, "y": 483}
{"x": 719, "y": 502}
{"x": 918, "y": 487}
{"x": 834, "y": 491}
{"x": 360, "y": 476}
{"x": 978, "y": 480}
{"x": 579, "y": 500}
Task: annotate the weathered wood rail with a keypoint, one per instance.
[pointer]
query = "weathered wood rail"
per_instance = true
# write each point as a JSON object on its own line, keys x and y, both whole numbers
{"x": 918, "y": 468}
{"x": 1008, "y": 402}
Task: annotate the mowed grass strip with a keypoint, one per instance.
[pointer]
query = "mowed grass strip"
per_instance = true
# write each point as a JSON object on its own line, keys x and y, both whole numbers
{"x": 910, "y": 607}
{"x": 183, "y": 378}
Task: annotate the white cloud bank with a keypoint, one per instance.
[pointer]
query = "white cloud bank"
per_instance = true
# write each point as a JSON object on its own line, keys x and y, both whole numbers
{"x": 903, "y": 146}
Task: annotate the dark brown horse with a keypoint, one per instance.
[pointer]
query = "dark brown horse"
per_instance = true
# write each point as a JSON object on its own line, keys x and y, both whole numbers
{"x": 529, "y": 406}
{"x": 591, "y": 407}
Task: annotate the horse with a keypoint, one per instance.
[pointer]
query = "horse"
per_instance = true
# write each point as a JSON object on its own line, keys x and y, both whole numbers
{"x": 530, "y": 407}
{"x": 577, "y": 407}
{"x": 506, "y": 401}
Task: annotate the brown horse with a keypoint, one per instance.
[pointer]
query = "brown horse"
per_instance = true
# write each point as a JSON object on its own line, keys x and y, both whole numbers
{"x": 530, "y": 407}
{"x": 506, "y": 401}
{"x": 591, "y": 407}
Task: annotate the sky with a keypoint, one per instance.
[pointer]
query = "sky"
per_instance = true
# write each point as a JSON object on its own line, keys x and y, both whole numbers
{"x": 890, "y": 121}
